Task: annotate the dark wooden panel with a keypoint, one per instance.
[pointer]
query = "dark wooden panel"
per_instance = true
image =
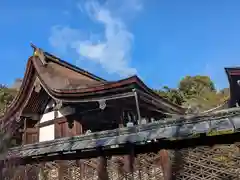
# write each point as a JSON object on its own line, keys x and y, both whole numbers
{"x": 62, "y": 129}
{"x": 31, "y": 137}
{"x": 78, "y": 127}
{"x": 57, "y": 131}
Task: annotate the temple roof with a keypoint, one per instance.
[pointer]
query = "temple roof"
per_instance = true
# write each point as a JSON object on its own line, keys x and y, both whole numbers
{"x": 68, "y": 83}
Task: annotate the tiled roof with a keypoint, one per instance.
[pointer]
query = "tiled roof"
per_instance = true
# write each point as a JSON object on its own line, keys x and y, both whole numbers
{"x": 188, "y": 127}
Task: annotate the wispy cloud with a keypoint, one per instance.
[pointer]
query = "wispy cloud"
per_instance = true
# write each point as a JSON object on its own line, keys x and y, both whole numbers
{"x": 63, "y": 37}
{"x": 113, "y": 50}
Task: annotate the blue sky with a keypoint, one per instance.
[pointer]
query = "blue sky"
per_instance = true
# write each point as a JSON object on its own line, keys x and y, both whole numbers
{"x": 159, "y": 40}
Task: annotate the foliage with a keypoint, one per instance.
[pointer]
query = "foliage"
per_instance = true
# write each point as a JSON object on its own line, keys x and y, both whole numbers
{"x": 193, "y": 86}
{"x": 173, "y": 95}
{"x": 6, "y": 97}
{"x": 195, "y": 92}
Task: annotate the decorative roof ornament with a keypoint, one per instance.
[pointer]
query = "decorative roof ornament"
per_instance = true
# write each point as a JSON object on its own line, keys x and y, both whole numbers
{"x": 102, "y": 104}
{"x": 238, "y": 82}
{"x": 39, "y": 53}
{"x": 37, "y": 85}
{"x": 59, "y": 104}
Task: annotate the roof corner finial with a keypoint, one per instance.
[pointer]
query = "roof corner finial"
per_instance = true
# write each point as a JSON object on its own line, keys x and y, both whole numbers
{"x": 37, "y": 52}
{"x": 35, "y": 49}
{"x": 33, "y": 46}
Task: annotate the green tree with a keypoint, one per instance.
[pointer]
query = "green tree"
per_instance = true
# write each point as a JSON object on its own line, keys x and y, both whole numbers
{"x": 6, "y": 97}
{"x": 193, "y": 86}
{"x": 195, "y": 92}
{"x": 200, "y": 93}
{"x": 173, "y": 95}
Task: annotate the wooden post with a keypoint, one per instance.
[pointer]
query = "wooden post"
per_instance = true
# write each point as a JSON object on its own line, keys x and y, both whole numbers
{"x": 43, "y": 174}
{"x": 63, "y": 170}
{"x": 1, "y": 169}
{"x": 24, "y": 135}
{"x": 165, "y": 164}
{"x": 102, "y": 167}
{"x": 129, "y": 161}
{"x": 120, "y": 116}
{"x": 79, "y": 131}
{"x": 137, "y": 107}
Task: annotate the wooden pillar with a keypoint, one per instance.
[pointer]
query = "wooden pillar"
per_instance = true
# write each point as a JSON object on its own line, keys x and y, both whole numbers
{"x": 1, "y": 169}
{"x": 102, "y": 167}
{"x": 80, "y": 164}
{"x": 79, "y": 130}
{"x": 137, "y": 107}
{"x": 32, "y": 172}
{"x": 128, "y": 162}
{"x": 120, "y": 122}
{"x": 63, "y": 170}
{"x": 38, "y": 133}
{"x": 43, "y": 174}
{"x": 165, "y": 164}
{"x": 78, "y": 127}
{"x": 24, "y": 135}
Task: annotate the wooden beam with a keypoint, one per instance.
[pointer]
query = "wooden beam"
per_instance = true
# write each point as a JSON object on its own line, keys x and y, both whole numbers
{"x": 1, "y": 169}
{"x": 28, "y": 130}
{"x": 129, "y": 160}
{"x": 32, "y": 116}
{"x": 131, "y": 105}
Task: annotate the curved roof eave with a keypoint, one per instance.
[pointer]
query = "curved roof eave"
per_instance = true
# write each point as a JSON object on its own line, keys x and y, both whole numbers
{"x": 31, "y": 74}
{"x": 23, "y": 94}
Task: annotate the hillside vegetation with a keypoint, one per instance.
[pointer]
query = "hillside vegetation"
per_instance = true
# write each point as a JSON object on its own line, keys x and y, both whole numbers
{"x": 6, "y": 97}
{"x": 197, "y": 93}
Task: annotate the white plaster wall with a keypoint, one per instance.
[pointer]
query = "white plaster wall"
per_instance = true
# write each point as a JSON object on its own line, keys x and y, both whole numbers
{"x": 47, "y": 133}
{"x": 62, "y": 112}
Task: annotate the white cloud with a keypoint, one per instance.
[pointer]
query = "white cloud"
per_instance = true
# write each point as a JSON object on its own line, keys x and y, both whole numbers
{"x": 113, "y": 50}
{"x": 62, "y": 37}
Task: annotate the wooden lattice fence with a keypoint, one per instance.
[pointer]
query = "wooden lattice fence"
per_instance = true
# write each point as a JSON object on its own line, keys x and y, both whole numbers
{"x": 219, "y": 162}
